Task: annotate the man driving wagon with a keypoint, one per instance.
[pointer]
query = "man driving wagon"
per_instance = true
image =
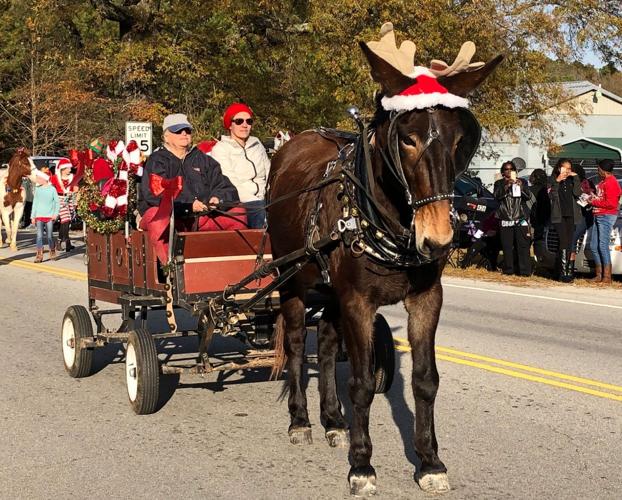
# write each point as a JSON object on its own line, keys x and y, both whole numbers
{"x": 181, "y": 177}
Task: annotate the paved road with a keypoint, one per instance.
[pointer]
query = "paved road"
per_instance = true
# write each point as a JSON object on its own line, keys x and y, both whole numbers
{"x": 530, "y": 406}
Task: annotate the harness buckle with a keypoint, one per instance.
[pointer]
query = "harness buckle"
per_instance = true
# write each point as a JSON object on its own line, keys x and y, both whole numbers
{"x": 347, "y": 225}
{"x": 357, "y": 247}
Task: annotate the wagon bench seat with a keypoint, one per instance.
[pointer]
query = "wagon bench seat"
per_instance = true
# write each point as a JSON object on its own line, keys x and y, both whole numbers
{"x": 211, "y": 261}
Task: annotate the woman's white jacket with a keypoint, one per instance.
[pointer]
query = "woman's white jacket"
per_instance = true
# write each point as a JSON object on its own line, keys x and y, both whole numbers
{"x": 246, "y": 167}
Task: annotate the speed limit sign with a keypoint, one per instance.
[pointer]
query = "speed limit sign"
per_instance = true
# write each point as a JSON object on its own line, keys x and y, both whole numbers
{"x": 142, "y": 133}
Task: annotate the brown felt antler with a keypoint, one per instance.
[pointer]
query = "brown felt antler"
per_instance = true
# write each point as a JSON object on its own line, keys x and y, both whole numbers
{"x": 461, "y": 64}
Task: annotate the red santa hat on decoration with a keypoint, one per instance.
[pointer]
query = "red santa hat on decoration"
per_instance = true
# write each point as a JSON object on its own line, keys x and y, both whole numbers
{"x": 425, "y": 92}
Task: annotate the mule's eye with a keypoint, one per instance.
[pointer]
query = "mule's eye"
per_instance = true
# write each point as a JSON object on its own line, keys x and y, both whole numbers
{"x": 407, "y": 141}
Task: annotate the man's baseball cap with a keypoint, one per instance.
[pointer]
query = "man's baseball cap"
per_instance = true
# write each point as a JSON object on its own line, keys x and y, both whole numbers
{"x": 176, "y": 122}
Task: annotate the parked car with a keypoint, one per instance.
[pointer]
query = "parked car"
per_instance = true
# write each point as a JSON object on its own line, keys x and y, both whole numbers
{"x": 546, "y": 250}
{"x": 46, "y": 161}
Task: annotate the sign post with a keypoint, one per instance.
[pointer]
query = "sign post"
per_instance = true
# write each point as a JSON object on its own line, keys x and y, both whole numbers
{"x": 142, "y": 133}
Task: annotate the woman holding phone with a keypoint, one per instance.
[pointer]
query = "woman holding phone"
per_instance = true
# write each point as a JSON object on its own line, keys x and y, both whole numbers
{"x": 565, "y": 190}
{"x": 515, "y": 201}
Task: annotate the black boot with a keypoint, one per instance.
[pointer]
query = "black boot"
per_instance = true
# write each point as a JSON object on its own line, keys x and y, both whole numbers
{"x": 570, "y": 271}
{"x": 564, "y": 267}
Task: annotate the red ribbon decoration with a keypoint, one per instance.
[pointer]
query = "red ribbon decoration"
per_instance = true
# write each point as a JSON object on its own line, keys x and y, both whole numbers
{"x": 168, "y": 189}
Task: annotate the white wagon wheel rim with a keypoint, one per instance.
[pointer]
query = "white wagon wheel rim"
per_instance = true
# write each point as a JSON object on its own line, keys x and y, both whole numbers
{"x": 131, "y": 372}
{"x": 69, "y": 343}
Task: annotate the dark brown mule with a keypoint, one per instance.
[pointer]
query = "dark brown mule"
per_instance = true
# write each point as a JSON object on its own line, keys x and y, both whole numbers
{"x": 433, "y": 145}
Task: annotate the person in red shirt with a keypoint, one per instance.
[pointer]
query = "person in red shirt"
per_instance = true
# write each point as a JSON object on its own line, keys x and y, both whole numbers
{"x": 606, "y": 207}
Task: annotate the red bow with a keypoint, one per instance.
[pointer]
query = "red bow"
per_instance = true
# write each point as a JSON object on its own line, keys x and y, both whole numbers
{"x": 168, "y": 189}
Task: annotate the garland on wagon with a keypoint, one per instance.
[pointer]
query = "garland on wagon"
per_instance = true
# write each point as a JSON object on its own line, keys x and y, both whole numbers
{"x": 108, "y": 193}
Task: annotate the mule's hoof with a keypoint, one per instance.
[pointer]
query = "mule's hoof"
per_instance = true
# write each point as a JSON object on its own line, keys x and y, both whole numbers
{"x": 338, "y": 438}
{"x": 300, "y": 435}
{"x": 434, "y": 483}
{"x": 363, "y": 483}
{"x": 13, "y": 247}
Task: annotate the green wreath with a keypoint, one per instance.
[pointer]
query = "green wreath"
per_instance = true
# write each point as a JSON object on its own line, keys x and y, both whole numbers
{"x": 90, "y": 201}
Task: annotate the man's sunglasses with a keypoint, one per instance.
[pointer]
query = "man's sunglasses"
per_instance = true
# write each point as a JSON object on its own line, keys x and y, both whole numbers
{"x": 240, "y": 121}
{"x": 186, "y": 130}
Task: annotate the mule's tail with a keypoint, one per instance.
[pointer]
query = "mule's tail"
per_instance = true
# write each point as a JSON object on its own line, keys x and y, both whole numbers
{"x": 278, "y": 340}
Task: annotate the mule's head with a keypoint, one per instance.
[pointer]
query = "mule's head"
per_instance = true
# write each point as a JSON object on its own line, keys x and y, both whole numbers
{"x": 431, "y": 144}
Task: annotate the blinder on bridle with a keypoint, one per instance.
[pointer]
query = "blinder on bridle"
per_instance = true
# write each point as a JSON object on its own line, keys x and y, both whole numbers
{"x": 464, "y": 153}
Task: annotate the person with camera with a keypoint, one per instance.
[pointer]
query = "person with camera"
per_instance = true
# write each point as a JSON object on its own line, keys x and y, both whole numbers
{"x": 565, "y": 190}
{"x": 515, "y": 201}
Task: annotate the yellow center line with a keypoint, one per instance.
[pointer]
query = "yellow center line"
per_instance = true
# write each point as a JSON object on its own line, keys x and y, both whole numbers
{"x": 65, "y": 273}
{"x": 524, "y": 376}
{"x": 527, "y": 368}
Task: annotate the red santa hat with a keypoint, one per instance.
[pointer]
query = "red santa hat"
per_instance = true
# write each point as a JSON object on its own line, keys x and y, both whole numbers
{"x": 232, "y": 110}
{"x": 63, "y": 163}
{"x": 425, "y": 92}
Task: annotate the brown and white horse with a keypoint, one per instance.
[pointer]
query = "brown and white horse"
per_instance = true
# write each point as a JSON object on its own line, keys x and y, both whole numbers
{"x": 12, "y": 201}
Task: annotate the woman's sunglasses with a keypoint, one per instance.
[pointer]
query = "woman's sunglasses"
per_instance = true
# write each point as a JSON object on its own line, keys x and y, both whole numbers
{"x": 240, "y": 121}
{"x": 186, "y": 130}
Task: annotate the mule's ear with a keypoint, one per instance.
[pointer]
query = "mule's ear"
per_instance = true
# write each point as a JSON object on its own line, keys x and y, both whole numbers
{"x": 392, "y": 80}
{"x": 462, "y": 84}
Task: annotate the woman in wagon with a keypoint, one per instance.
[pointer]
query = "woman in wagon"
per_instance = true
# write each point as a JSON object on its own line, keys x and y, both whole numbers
{"x": 62, "y": 181}
{"x": 45, "y": 209}
{"x": 201, "y": 187}
{"x": 244, "y": 160}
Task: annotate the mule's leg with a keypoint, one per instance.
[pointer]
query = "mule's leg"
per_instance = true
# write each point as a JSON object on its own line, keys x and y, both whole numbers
{"x": 423, "y": 313}
{"x": 293, "y": 310}
{"x": 18, "y": 211}
{"x": 330, "y": 407}
{"x": 357, "y": 319}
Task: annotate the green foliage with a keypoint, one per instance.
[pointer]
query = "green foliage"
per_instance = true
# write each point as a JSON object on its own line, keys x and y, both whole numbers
{"x": 96, "y": 63}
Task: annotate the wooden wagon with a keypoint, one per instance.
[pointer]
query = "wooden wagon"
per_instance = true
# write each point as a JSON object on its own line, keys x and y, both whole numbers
{"x": 227, "y": 280}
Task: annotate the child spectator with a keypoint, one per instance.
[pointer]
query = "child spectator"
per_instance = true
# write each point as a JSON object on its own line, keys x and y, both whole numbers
{"x": 45, "y": 209}
{"x": 66, "y": 196}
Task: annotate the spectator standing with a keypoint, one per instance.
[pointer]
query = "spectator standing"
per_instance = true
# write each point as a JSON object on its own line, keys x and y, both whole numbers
{"x": 541, "y": 211}
{"x": 605, "y": 203}
{"x": 587, "y": 216}
{"x": 45, "y": 209}
{"x": 515, "y": 201}
{"x": 67, "y": 199}
{"x": 244, "y": 160}
{"x": 565, "y": 214}
{"x": 29, "y": 192}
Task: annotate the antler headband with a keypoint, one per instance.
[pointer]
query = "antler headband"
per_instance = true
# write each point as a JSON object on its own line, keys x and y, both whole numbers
{"x": 425, "y": 91}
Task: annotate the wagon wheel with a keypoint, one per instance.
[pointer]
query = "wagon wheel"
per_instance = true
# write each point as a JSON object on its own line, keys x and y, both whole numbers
{"x": 77, "y": 325}
{"x": 142, "y": 372}
{"x": 384, "y": 355}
